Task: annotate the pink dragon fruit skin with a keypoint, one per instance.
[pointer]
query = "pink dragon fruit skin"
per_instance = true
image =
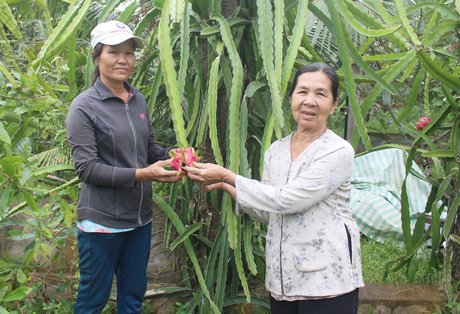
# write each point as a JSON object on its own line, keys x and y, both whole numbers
{"x": 422, "y": 123}
{"x": 183, "y": 157}
{"x": 190, "y": 156}
{"x": 176, "y": 162}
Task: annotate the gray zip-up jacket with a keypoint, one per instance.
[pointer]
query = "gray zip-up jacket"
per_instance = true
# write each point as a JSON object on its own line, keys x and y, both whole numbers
{"x": 109, "y": 140}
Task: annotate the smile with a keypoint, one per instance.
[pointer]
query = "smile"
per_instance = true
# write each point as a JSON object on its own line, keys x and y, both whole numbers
{"x": 307, "y": 113}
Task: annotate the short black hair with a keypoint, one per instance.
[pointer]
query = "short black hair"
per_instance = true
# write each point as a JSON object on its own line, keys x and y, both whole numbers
{"x": 319, "y": 67}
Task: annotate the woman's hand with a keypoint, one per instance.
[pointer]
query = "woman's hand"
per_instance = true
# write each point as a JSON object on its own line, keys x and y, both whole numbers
{"x": 157, "y": 172}
{"x": 207, "y": 174}
{"x": 212, "y": 177}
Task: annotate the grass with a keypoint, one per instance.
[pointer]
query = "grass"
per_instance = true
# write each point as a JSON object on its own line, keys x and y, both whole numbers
{"x": 376, "y": 256}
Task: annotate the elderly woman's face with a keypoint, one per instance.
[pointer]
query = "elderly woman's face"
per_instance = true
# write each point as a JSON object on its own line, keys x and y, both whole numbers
{"x": 116, "y": 62}
{"x": 312, "y": 101}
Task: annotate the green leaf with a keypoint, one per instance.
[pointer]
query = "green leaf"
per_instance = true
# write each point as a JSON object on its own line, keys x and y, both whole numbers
{"x": 185, "y": 47}
{"x": 44, "y": 6}
{"x": 451, "y": 216}
{"x": 248, "y": 246}
{"x": 440, "y": 153}
{"x": 4, "y": 136}
{"x": 7, "y": 74}
{"x": 412, "y": 268}
{"x": 402, "y": 14}
{"x": 405, "y": 215}
{"x": 72, "y": 74}
{"x": 363, "y": 30}
{"x": 107, "y": 10}
{"x": 390, "y": 75}
{"x": 20, "y": 276}
{"x": 385, "y": 57}
{"x": 10, "y": 165}
{"x": 50, "y": 169}
{"x": 17, "y": 294}
{"x": 266, "y": 139}
{"x": 440, "y": 32}
{"x": 170, "y": 75}
{"x": 30, "y": 200}
{"x": 174, "y": 218}
{"x": 295, "y": 42}
{"x": 244, "y": 115}
{"x": 266, "y": 34}
{"x": 68, "y": 213}
{"x": 419, "y": 230}
{"x": 438, "y": 72}
{"x": 239, "y": 264}
{"x": 128, "y": 12}
{"x": 350, "y": 84}
{"x": 232, "y": 21}
{"x": 278, "y": 38}
{"x": 196, "y": 106}
{"x": 373, "y": 21}
{"x": 155, "y": 87}
{"x": 413, "y": 95}
{"x": 364, "y": 66}
{"x": 235, "y": 96}
{"x": 212, "y": 105}
{"x": 222, "y": 270}
{"x": 186, "y": 234}
{"x": 7, "y": 18}
{"x": 65, "y": 29}
{"x": 442, "y": 8}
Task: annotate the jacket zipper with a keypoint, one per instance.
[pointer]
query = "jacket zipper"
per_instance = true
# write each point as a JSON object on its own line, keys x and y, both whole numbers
{"x": 135, "y": 162}
{"x": 281, "y": 237}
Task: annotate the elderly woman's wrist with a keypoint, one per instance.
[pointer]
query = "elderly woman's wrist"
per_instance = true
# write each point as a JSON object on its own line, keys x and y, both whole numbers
{"x": 227, "y": 176}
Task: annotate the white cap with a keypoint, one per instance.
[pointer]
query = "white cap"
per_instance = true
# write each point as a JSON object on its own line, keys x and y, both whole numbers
{"x": 113, "y": 33}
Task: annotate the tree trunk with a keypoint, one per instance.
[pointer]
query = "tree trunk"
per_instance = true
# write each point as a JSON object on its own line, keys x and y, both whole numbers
{"x": 228, "y": 7}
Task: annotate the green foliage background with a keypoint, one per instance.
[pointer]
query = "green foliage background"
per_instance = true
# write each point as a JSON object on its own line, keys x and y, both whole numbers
{"x": 215, "y": 74}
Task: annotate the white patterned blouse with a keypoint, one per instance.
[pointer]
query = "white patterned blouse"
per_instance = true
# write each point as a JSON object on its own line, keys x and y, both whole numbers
{"x": 310, "y": 225}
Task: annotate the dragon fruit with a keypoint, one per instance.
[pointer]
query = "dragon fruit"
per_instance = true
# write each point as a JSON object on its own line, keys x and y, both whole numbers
{"x": 422, "y": 123}
{"x": 183, "y": 157}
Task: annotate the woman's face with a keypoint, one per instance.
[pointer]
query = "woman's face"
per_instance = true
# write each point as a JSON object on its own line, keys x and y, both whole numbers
{"x": 116, "y": 62}
{"x": 312, "y": 101}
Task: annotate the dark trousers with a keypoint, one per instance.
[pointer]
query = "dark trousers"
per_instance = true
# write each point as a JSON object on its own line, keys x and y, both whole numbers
{"x": 102, "y": 255}
{"x": 343, "y": 304}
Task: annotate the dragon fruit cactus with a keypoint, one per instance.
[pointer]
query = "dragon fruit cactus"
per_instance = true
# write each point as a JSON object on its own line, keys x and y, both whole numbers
{"x": 183, "y": 157}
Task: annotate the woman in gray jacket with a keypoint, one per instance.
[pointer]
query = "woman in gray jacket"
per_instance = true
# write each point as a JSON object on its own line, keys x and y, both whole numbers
{"x": 115, "y": 156}
{"x": 313, "y": 262}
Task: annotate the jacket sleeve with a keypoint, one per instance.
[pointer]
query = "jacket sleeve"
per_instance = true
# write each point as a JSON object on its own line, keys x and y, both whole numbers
{"x": 324, "y": 176}
{"x": 90, "y": 169}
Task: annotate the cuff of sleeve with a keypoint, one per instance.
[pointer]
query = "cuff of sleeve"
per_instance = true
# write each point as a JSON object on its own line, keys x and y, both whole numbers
{"x": 124, "y": 177}
{"x": 239, "y": 193}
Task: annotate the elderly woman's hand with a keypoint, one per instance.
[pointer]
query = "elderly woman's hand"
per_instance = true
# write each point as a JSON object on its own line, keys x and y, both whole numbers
{"x": 207, "y": 173}
{"x": 212, "y": 177}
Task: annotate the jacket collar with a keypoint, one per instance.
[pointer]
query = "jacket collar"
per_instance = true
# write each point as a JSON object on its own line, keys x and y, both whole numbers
{"x": 105, "y": 92}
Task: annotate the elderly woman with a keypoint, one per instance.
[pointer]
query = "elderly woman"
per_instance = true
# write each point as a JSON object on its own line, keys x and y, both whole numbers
{"x": 313, "y": 262}
{"x": 116, "y": 157}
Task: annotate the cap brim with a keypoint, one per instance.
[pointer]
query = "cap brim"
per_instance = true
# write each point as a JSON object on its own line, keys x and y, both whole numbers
{"x": 115, "y": 40}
